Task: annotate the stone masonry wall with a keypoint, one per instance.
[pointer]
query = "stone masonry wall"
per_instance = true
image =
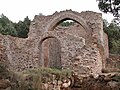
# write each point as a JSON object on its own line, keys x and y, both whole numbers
{"x": 3, "y": 55}
{"x": 81, "y": 46}
{"x": 113, "y": 63}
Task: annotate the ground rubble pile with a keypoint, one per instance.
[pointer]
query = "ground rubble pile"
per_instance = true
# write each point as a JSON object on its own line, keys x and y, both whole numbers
{"x": 48, "y": 79}
{"x": 75, "y": 82}
{"x": 108, "y": 81}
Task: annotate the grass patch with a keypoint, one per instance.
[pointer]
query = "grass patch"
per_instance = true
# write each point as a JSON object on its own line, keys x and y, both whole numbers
{"x": 34, "y": 78}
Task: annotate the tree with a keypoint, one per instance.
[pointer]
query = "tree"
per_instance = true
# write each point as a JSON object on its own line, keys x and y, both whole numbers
{"x": 19, "y": 29}
{"x": 6, "y": 26}
{"x": 22, "y": 28}
{"x": 66, "y": 23}
{"x": 111, "y": 6}
{"x": 113, "y": 32}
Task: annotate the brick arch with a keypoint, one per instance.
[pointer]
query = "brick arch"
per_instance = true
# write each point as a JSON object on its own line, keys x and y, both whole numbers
{"x": 70, "y": 15}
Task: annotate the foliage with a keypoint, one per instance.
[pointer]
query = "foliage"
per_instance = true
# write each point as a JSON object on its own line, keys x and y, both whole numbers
{"x": 113, "y": 32}
{"x": 49, "y": 72}
{"x": 7, "y": 27}
{"x": 112, "y": 29}
{"x": 22, "y": 27}
{"x": 66, "y": 23}
{"x": 111, "y": 6}
{"x": 4, "y": 73}
{"x": 33, "y": 79}
{"x": 19, "y": 29}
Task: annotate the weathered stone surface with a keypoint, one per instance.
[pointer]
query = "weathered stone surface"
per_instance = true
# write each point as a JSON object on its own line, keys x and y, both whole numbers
{"x": 49, "y": 45}
{"x": 112, "y": 63}
{"x": 3, "y": 55}
{"x": 4, "y": 84}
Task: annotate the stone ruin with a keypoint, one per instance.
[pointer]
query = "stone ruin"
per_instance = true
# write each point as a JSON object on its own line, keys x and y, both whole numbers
{"x": 82, "y": 47}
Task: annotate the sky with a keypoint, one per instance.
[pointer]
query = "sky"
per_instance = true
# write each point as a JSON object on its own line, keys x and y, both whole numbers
{"x": 17, "y": 10}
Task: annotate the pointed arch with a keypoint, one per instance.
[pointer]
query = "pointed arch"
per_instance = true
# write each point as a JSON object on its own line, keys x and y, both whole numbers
{"x": 62, "y": 16}
{"x": 50, "y": 52}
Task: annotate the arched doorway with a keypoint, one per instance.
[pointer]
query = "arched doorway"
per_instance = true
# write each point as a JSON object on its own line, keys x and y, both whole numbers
{"x": 51, "y": 52}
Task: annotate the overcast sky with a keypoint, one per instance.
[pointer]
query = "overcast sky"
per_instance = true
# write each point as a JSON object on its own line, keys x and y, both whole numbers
{"x": 17, "y": 10}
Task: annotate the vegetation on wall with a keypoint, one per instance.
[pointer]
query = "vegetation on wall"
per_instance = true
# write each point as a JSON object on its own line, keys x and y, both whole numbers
{"x": 34, "y": 79}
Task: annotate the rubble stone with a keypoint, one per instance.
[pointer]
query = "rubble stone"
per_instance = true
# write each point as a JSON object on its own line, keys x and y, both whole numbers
{"x": 50, "y": 45}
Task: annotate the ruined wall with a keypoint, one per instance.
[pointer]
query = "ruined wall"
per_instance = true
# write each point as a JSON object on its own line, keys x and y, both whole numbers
{"x": 113, "y": 63}
{"x": 94, "y": 21}
{"x": 85, "y": 40}
{"x": 3, "y": 55}
{"x": 19, "y": 53}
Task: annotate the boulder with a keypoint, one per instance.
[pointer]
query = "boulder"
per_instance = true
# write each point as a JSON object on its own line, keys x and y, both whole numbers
{"x": 4, "y": 84}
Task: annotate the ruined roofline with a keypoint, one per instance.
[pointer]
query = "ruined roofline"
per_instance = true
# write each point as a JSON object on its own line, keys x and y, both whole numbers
{"x": 70, "y": 10}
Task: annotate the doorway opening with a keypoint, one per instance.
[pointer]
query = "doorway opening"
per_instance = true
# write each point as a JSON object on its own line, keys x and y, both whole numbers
{"x": 51, "y": 53}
